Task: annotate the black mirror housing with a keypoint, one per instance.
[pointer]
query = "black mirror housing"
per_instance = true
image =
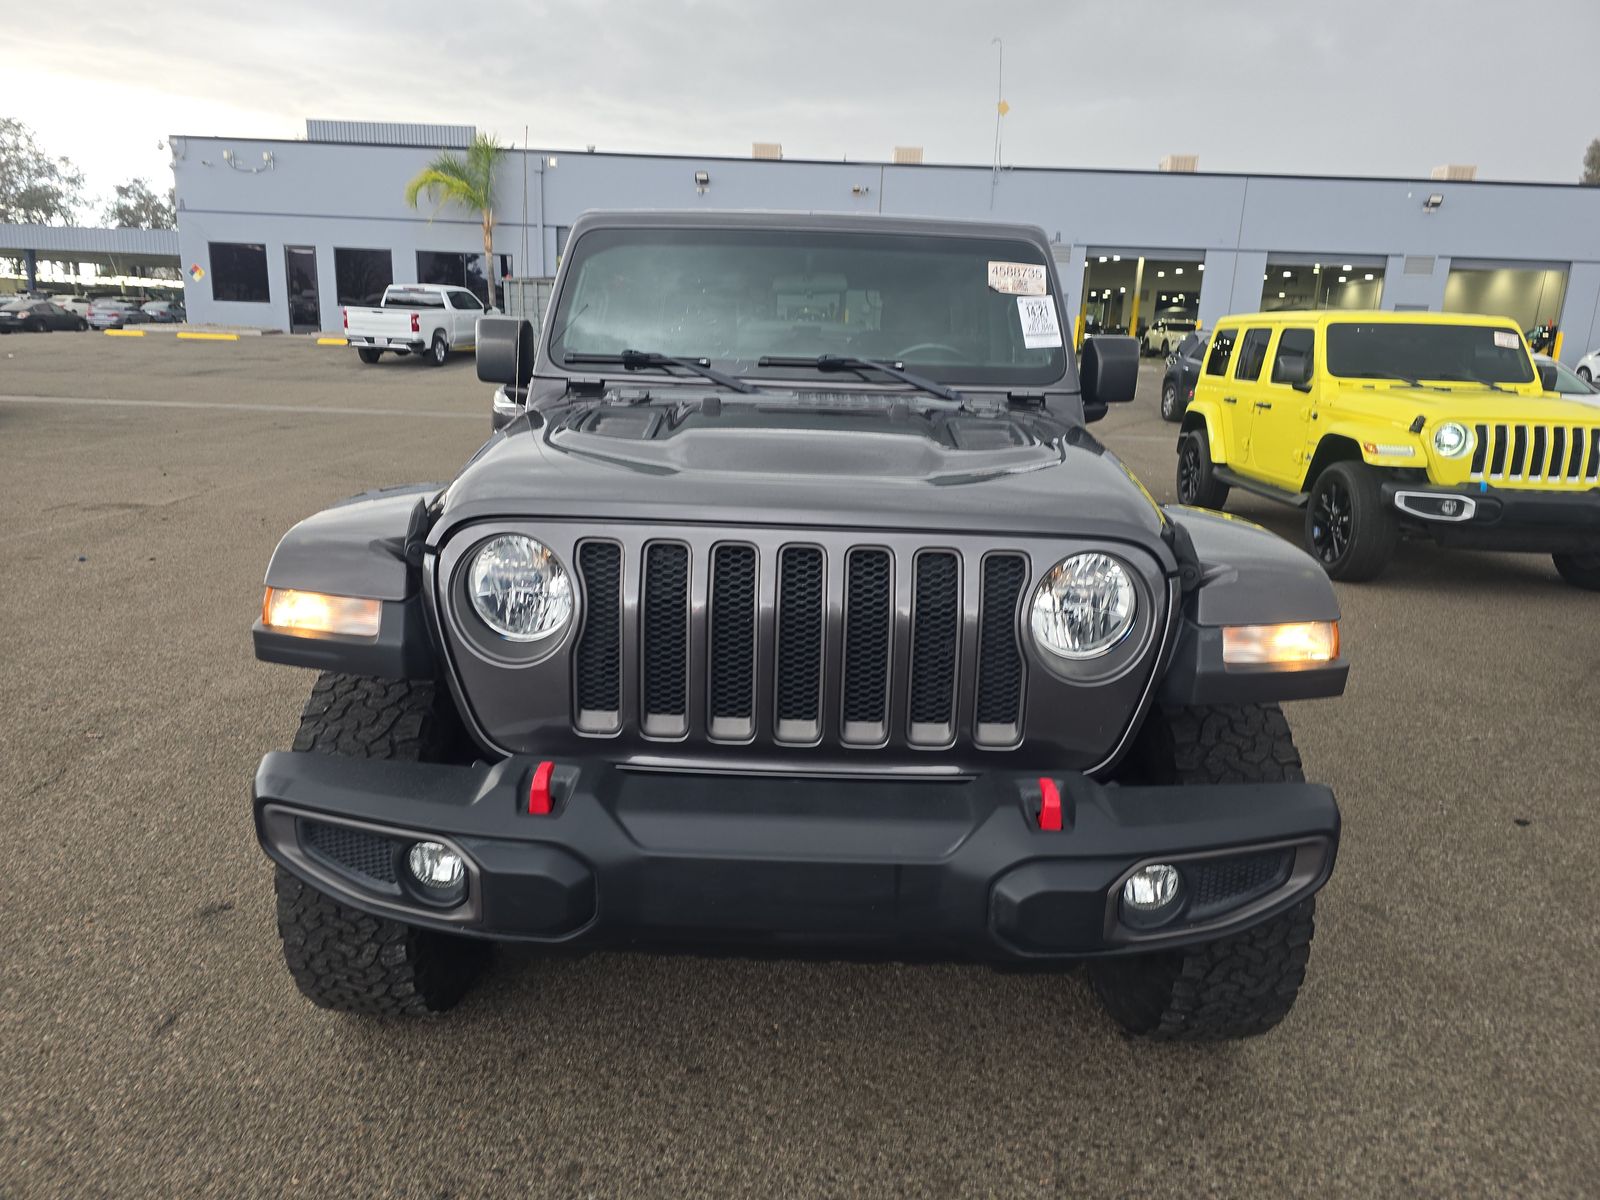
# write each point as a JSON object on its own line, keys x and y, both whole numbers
{"x": 1109, "y": 370}
{"x": 505, "y": 350}
{"x": 1547, "y": 375}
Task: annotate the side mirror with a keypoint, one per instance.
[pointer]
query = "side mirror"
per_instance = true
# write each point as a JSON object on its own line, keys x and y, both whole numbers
{"x": 1295, "y": 370}
{"x": 1547, "y": 374}
{"x": 505, "y": 350}
{"x": 1109, "y": 369}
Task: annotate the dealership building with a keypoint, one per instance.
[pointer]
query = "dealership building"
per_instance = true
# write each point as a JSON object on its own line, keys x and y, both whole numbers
{"x": 281, "y": 234}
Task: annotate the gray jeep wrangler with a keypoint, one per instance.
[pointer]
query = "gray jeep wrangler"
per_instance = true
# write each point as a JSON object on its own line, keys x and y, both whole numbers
{"x": 794, "y": 608}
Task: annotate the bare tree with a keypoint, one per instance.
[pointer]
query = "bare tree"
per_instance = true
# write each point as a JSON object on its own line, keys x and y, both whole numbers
{"x": 1591, "y": 164}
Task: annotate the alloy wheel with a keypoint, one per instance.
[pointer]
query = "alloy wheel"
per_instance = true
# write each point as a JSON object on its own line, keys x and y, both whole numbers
{"x": 1333, "y": 518}
{"x": 1188, "y": 471}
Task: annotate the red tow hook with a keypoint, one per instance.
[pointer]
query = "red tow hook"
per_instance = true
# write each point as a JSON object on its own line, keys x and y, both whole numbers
{"x": 1049, "y": 806}
{"x": 539, "y": 790}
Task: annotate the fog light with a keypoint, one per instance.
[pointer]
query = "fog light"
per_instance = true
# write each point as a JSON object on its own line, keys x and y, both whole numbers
{"x": 437, "y": 868}
{"x": 1152, "y": 895}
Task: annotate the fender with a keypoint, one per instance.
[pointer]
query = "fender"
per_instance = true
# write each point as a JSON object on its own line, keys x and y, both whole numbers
{"x": 368, "y": 546}
{"x": 1365, "y": 436}
{"x": 1206, "y": 411}
{"x": 1241, "y": 574}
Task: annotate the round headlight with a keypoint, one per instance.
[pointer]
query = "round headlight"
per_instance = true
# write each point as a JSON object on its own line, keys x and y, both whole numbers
{"x": 1452, "y": 439}
{"x": 1083, "y": 607}
{"x": 519, "y": 589}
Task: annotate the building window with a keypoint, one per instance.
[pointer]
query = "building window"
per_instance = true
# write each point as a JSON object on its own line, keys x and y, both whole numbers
{"x": 362, "y": 275}
{"x": 239, "y": 272}
{"x": 458, "y": 270}
{"x": 1332, "y": 281}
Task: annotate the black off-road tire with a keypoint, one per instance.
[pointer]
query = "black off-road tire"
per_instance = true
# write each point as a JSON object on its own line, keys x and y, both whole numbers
{"x": 1198, "y": 484}
{"x": 1348, "y": 528}
{"x": 1171, "y": 410}
{"x": 1580, "y": 570}
{"x": 1237, "y": 986}
{"x": 438, "y": 351}
{"x": 340, "y": 957}
{"x": 368, "y": 355}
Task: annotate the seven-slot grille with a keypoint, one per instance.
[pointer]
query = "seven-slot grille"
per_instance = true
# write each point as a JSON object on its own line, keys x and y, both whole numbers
{"x": 1526, "y": 453}
{"x": 829, "y": 675}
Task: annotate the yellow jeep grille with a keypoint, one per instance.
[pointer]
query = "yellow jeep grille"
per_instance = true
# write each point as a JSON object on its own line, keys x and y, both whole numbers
{"x": 1539, "y": 455}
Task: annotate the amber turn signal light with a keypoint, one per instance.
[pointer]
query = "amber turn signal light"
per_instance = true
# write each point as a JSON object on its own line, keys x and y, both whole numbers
{"x": 1296, "y": 644}
{"x": 293, "y": 611}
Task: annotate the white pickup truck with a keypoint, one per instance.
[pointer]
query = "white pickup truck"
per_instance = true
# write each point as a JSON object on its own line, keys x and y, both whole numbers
{"x": 430, "y": 319}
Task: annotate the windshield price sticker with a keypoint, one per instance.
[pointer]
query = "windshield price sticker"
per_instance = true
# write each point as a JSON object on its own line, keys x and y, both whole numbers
{"x": 1039, "y": 326}
{"x": 1017, "y": 279}
{"x": 1506, "y": 341}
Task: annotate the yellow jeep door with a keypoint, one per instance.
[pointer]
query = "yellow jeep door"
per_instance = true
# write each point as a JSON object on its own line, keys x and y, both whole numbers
{"x": 1281, "y": 428}
{"x": 1247, "y": 361}
{"x": 1215, "y": 383}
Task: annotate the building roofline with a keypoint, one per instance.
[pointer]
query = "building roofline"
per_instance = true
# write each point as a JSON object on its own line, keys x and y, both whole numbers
{"x": 959, "y": 166}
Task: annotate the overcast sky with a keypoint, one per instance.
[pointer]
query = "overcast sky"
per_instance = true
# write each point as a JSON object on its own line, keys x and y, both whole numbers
{"x": 1376, "y": 87}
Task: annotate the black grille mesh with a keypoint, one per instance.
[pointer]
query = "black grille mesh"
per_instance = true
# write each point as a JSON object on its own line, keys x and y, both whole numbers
{"x": 666, "y": 629}
{"x": 866, "y": 638}
{"x": 355, "y": 850}
{"x": 799, "y": 657}
{"x": 1217, "y": 885}
{"x": 599, "y": 651}
{"x": 733, "y": 632}
{"x": 999, "y": 656}
{"x": 937, "y": 621}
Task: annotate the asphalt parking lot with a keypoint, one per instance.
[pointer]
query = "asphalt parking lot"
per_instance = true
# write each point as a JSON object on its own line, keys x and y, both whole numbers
{"x": 151, "y": 1042}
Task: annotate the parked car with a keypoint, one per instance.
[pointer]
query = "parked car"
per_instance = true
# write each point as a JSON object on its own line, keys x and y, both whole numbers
{"x": 1555, "y": 377}
{"x": 164, "y": 312}
{"x": 1183, "y": 368}
{"x": 115, "y": 312}
{"x": 1163, "y": 337}
{"x": 37, "y": 316}
{"x": 808, "y": 627}
{"x": 73, "y": 304}
{"x": 428, "y": 319}
{"x": 1588, "y": 368}
{"x": 1389, "y": 424}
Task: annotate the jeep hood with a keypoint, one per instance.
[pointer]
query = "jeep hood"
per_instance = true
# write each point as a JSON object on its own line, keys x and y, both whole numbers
{"x": 836, "y": 462}
{"x": 1469, "y": 404}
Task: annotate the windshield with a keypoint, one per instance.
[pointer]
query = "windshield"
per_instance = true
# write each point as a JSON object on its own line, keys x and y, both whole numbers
{"x": 736, "y": 296}
{"x": 1392, "y": 350}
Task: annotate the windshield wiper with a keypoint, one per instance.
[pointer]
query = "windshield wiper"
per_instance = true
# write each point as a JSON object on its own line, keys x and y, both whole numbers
{"x": 840, "y": 362}
{"x": 1406, "y": 379}
{"x": 638, "y": 360}
{"x": 1490, "y": 384}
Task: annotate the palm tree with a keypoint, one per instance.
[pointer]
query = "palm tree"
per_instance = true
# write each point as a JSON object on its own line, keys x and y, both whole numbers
{"x": 468, "y": 182}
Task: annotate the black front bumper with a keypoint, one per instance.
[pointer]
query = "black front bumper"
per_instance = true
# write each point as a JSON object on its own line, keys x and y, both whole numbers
{"x": 950, "y": 869}
{"x": 1545, "y": 522}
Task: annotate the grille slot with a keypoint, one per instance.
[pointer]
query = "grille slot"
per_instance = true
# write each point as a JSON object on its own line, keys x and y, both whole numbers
{"x": 798, "y": 661}
{"x": 1000, "y": 671}
{"x": 355, "y": 850}
{"x": 868, "y": 632}
{"x": 1550, "y": 454}
{"x": 664, "y": 638}
{"x": 732, "y": 676}
{"x": 935, "y": 639}
{"x": 598, "y": 657}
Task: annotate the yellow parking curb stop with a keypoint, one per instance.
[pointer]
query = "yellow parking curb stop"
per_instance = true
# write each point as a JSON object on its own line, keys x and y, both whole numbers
{"x": 333, "y": 341}
{"x": 124, "y": 332}
{"x": 210, "y": 337}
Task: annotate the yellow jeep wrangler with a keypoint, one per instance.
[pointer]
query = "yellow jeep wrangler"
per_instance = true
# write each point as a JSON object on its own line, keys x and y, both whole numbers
{"x": 1384, "y": 425}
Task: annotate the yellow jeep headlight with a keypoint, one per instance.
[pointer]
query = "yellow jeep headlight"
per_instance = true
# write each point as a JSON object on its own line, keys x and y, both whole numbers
{"x": 1452, "y": 439}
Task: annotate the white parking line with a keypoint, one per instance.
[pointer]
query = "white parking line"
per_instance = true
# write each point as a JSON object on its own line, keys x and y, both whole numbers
{"x": 270, "y": 408}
